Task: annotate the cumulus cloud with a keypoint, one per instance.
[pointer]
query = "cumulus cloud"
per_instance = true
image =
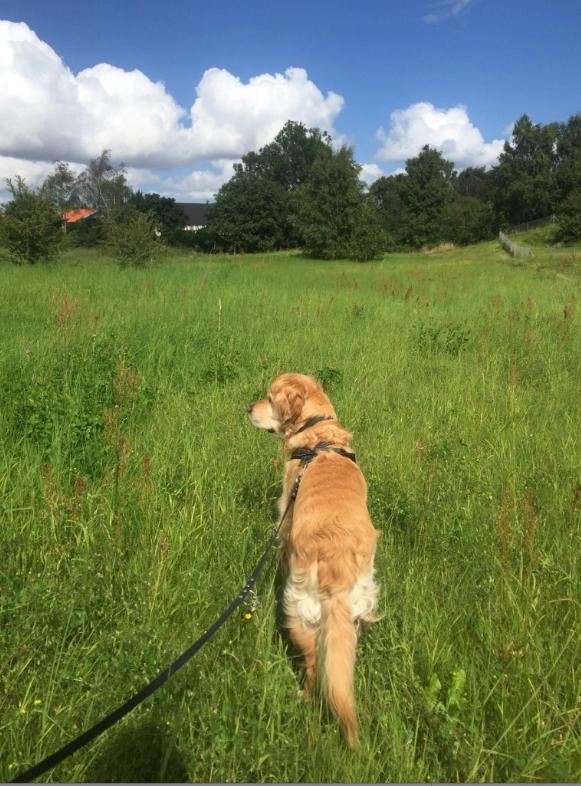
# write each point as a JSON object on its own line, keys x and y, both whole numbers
{"x": 448, "y": 130}
{"x": 444, "y": 9}
{"x": 49, "y": 113}
{"x": 199, "y": 185}
{"x": 370, "y": 173}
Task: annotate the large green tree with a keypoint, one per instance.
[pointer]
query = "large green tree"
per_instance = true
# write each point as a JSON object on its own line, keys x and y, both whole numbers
{"x": 256, "y": 209}
{"x": 30, "y": 225}
{"x": 568, "y": 154}
{"x": 525, "y": 183}
{"x": 250, "y": 214}
{"x": 389, "y": 195}
{"x": 430, "y": 187}
{"x": 334, "y": 217}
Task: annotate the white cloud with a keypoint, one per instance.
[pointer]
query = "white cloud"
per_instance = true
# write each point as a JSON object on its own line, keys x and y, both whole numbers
{"x": 34, "y": 172}
{"x": 49, "y": 113}
{"x": 230, "y": 117}
{"x": 448, "y": 130}
{"x": 370, "y": 173}
{"x": 200, "y": 185}
{"x": 444, "y": 9}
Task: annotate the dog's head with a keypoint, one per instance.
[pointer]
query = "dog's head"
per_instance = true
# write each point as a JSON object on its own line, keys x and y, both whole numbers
{"x": 291, "y": 399}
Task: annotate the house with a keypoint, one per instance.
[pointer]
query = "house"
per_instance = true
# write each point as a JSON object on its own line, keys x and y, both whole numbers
{"x": 72, "y": 216}
{"x": 195, "y": 213}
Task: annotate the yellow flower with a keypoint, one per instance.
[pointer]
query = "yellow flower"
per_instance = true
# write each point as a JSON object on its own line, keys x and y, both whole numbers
{"x": 37, "y": 702}
{"x": 247, "y": 616}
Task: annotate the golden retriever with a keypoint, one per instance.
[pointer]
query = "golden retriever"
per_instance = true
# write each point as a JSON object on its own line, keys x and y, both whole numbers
{"x": 327, "y": 538}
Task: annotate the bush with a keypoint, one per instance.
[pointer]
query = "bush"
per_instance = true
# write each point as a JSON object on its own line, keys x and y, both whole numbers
{"x": 467, "y": 220}
{"x": 569, "y": 230}
{"x": 188, "y": 238}
{"x": 87, "y": 233}
{"x": 30, "y": 227}
{"x": 130, "y": 237}
{"x": 369, "y": 239}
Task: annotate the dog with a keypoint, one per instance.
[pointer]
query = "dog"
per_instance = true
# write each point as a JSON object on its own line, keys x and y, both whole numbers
{"x": 327, "y": 539}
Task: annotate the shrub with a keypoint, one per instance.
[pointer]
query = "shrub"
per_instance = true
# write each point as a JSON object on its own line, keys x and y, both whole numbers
{"x": 131, "y": 238}
{"x": 30, "y": 226}
{"x": 467, "y": 220}
{"x": 570, "y": 218}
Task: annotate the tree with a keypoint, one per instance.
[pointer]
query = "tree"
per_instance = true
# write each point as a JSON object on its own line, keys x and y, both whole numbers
{"x": 525, "y": 183}
{"x": 369, "y": 239}
{"x": 130, "y": 237}
{"x": 467, "y": 220}
{"x": 61, "y": 188}
{"x": 169, "y": 218}
{"x": 475, "y": 181}
{"x": 249, "y": 214}
{"x": 428, "y": 186}
{"x": 102, "y": 185}
{"x": 333, "y": 217}
{"x": 288, "y": 159}
{"x": 388, "y": 193}
{"x": 256, "y": 209}
{"x": 568, "y": 153}
{"x": 30, "y": 224}
{"x": 569, "y": 229}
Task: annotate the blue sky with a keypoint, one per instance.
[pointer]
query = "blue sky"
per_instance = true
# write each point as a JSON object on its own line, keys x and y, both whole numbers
{"x": 456, "y": 73}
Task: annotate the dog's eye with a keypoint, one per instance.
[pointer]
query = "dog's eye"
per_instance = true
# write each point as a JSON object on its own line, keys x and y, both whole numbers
{"x": 270, "y": 399}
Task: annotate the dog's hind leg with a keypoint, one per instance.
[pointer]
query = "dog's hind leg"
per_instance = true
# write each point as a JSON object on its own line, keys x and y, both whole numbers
{"x": 305, "y": 638}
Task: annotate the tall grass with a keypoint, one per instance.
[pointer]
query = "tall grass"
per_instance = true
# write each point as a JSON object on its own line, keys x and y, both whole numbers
{"x": 135, "y": 498}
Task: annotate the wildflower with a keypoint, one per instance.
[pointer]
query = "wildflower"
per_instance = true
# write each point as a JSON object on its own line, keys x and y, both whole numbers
{"x": 248, "y": 615}
{"x": 37, "y": 702}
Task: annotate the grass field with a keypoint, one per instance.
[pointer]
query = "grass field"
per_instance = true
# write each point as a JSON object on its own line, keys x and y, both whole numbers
{"x": 136, "y": 497}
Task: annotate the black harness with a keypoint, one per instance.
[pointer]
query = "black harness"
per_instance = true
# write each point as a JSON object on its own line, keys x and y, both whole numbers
{"x": 306, "y": 455}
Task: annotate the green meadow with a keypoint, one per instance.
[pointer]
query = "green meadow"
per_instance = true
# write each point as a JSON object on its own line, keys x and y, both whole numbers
{"x": 135, "y": 499}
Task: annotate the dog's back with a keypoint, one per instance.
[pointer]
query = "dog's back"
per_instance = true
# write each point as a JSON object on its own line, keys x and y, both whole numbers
{"x": 330, "y": 586}
{"x": 328, "y": 543}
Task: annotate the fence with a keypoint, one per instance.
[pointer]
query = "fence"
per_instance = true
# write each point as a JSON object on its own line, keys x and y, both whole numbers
{"x": 538, "y": 222}
{"x": 513, "y": 248}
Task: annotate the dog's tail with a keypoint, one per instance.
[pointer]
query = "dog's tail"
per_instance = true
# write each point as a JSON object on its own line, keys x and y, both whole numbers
{"x": 339, "y": 640}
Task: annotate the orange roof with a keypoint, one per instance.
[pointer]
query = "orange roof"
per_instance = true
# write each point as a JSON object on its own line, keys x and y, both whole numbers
{"x": 76, "y": 215}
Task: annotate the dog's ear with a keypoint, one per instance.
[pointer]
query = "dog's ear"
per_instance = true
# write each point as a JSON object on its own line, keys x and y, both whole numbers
{"x": 291, "y": 405}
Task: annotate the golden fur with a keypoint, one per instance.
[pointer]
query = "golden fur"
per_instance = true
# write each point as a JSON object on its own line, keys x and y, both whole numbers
{"x": 328, "y": 541}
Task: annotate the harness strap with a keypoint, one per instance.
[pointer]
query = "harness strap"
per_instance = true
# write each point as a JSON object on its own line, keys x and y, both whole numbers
{"x": 313, "y": 422}
{"x": 306, "y": 455}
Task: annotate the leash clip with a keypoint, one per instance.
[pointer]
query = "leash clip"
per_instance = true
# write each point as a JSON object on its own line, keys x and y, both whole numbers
{"x": 251, "y": 600}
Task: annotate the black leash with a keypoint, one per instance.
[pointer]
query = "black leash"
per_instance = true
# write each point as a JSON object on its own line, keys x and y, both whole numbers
{"x": 83, "y": 739}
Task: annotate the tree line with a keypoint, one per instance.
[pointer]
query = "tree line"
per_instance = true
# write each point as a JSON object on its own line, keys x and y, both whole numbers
{"x": 299, "y": 191}
{"x": 133, "y": 227}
